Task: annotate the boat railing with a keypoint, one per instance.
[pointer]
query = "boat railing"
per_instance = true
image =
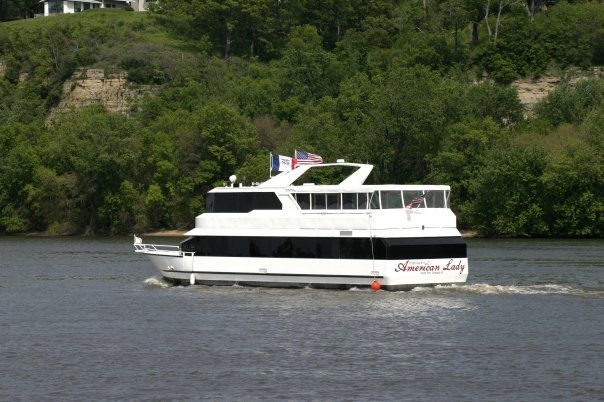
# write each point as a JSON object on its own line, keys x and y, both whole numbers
{"x": 142, "y": 248}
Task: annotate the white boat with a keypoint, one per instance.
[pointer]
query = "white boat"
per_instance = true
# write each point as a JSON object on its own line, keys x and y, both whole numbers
{"x": 287, "y": 232}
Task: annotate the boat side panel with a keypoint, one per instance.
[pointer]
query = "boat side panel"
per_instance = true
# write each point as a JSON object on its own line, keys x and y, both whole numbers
{"x": 393, "y": 274}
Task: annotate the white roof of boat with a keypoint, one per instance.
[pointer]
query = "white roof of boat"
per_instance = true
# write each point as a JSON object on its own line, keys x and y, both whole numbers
{"x": 285, "y": 179}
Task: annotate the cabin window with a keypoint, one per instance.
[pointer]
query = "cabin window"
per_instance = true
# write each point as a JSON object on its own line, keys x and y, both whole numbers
{"x": 333, "y": 201}
{"x": 349, "y": 201}
{"x": 430, "y": 247}
{"x": 282, "y": 247}
{"x": 260, "y": 247}
{"x": 326, "y": 247}
{"x": 303, "y": 200}
{"x": 435, "y": 199}
{"x": 318, "y": 201}
{"x": 241, "y": 202}
{"x": 305, "y": 247}
{"x": 355, "y": 248}
{"x": 374, "y": 201}
{"x": 391, "y": 199}
{"x": 414, "y": 199}
{"x": 363, "y": 200}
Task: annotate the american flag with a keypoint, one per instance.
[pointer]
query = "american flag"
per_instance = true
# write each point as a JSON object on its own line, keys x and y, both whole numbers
{"x": 306, "y": 158}
{"x": 416, "y": 202}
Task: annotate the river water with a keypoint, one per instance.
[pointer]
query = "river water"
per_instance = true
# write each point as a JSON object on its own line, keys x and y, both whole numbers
{"x": 87, "y": 319}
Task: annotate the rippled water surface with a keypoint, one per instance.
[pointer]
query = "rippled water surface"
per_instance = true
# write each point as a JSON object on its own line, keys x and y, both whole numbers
{"x": 86, "y": 319}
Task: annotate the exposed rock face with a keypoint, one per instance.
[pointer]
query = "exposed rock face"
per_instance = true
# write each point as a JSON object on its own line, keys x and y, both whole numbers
{"x": 531, "y": 91}
{"x": 92, "y": 86}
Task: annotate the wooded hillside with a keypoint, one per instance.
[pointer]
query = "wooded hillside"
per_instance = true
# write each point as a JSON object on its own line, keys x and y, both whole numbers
{"x": 421, "y": 89}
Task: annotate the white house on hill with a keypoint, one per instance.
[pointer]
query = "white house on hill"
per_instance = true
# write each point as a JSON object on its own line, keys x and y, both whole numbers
{"x": 53, "y": 7}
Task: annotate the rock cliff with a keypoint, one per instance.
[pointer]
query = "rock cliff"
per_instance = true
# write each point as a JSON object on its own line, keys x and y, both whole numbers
{"x": 531, "y": 91}
{"x": 112, "y": 90}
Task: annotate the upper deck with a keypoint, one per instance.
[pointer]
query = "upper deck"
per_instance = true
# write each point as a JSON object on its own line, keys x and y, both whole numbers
{"x": 287, "y": 203}
{"x": 290, "y": 191}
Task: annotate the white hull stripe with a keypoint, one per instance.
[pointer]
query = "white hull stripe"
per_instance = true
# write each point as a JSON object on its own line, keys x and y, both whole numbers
{"x": 168, "y": 271}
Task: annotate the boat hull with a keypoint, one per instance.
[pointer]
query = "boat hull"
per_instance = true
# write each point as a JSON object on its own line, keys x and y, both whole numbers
{"x": 318, "y": 273}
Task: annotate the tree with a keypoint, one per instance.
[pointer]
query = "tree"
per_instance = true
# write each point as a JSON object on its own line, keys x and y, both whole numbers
{"x": 500, "y": 6}
{"x": 99, "y": 148}
{"x": 408, "y": 117}
{"x": 573, "y": 34}
{"x": 309, "y": 71}
{"x": 18, "y": 163}
{"x": 500, "y": 103}
{"x": 573, "y": 194}
{"x": 505, "y": 194}
{"x": 568, "y": 104}
{"x": 461, "y": 156}
{"x": 18, "y": 9}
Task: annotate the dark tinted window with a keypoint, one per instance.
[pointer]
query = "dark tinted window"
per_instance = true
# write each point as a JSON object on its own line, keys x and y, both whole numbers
{"x": 303, "y": 200}
{"x": 434, "y": 247}
{"x": 349, "y": 201}
{"x": 241, "y": 202}
{"x": 355, "y": 248}
{"x": 363, "y": 200}
{"x": 333, "y": 201}
{"x": 327, "y": 247}
{"x": 282, "y": 247}
{"x": 260, "y": 247}
{"x": 318, "y": 201}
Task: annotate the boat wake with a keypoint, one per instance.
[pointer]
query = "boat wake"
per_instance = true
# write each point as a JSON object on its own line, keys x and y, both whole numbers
{"x": 155, "y": 282}
{"x": 486, "y": 289}
{"x": 471, "y": 289}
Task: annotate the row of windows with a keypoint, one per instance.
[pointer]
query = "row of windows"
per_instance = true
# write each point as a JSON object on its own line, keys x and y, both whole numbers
{"x": 326, "y": 247}
{"x": 247, "y": 201}
{"x": 378, "y": 199}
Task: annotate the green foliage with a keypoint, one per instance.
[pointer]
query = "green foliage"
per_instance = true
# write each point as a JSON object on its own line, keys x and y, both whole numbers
{"x": 497, "y": 102}
{"x": 573, "y": 193}
{"x": 18, "y": 163}
{"x": 389, "y": 83}
{"x": 571, "y": 104}
{"x": 573, "y": 34}
{"x": 517, "y": 53}
{"x": 100, "y": 150}
{"x": 592, "y": 128}
{"x": 142, "y": 72}
{"x": 462, "y": 153}
{"x": 505, "y": 195}
{"x": 309, "y": 72}
{"x": 409, "y": 119}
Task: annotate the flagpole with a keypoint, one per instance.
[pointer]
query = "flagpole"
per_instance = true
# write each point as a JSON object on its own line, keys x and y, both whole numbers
{"x": 270, "y": 165}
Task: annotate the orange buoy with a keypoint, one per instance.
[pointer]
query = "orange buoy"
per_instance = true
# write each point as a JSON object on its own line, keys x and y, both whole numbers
{"x": 375, "y": 286}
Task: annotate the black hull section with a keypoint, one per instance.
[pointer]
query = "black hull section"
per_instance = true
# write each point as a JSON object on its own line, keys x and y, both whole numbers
{"x": 327, "y": 247}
